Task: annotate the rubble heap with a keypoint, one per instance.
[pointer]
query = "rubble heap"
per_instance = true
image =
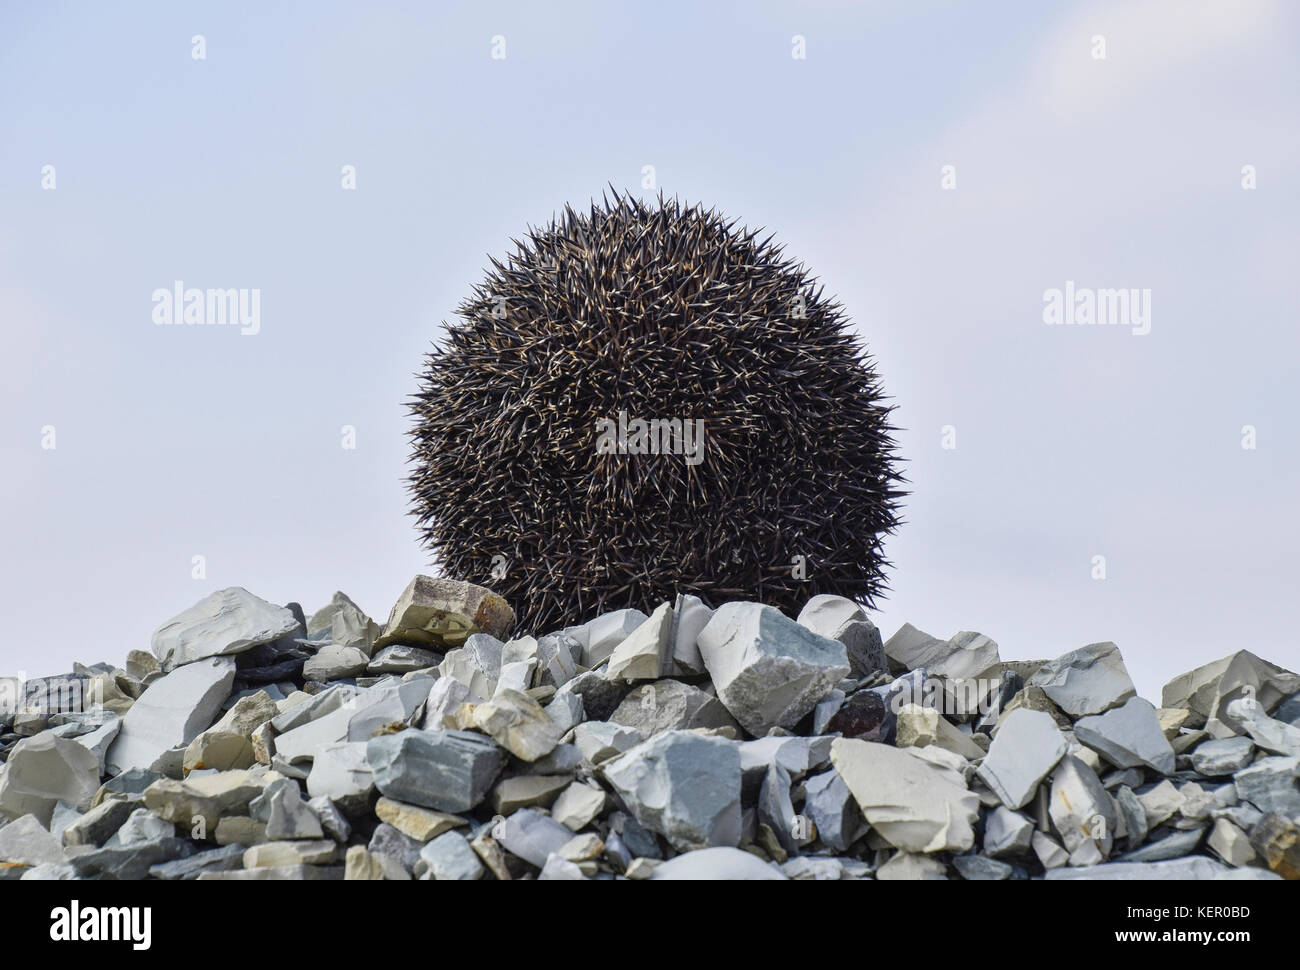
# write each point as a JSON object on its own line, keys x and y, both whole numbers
{"x": 254, "y": 742}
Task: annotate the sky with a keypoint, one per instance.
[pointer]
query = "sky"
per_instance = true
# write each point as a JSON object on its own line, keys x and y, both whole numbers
{"x": 940, "y": 167}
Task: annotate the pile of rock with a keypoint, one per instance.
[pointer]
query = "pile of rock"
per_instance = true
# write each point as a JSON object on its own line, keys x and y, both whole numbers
{"x": 254, "y": 742}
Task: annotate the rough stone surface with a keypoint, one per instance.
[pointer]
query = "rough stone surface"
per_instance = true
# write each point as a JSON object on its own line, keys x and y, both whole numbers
{"x": 440, "y": 614}
{"x": 1090, "y": 680}
{"x": 450, "y": 771}
{"x": 768, "y": 670}
{"x": 228, "y": 621}
{"x": 1027, "y": 746}
{"x": 1128, "y": 736}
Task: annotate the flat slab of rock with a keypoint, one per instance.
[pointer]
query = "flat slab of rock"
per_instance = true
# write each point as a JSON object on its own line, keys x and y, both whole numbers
{"x": 27, "y": 842}
{"x": 1222, "y": 756}
{"x": 343, "y": 622}
{"x": 768, "y": 670}
{"x": 646, "y": 652}
{"x": 1192, "y": 867}
{"x": 171, "y": 712}
{"x": 914, "y": 804}
{"x": 601, "y": 635}
{"x": 1090, "y": 680}
{"x": 226, "y": 622}
{"x": 519, "y": 724}
{"x": 670, "y": 705}
{"x": 1027, "y": 746}
{"x": 1207, "y": 689}
{"x": 683, "y": 785}
{"x": 442, "y": 613}
{"x": 1128, "y": 736}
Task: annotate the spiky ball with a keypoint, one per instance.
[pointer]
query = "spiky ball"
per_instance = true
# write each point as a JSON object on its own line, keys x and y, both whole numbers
{"x": 652, "y": 311}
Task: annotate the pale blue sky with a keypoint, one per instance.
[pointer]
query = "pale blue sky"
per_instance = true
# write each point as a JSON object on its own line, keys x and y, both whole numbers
{"x": 1071, "y": 442}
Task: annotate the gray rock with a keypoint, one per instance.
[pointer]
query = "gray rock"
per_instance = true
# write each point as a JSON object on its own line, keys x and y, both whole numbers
{"x": 446, "y": 695}
{"x": 1134, "y": 815}
{"x": 341, "y": 773}
{"x": 532, "y": 836}
{"x": 26, "y": 841}
{"x": 910, "y": 649}
{"x": 768, "y": 670}
{"x": 222, "y": 859}
{"x": 334, "y": 662}
{"x": 1222, "y": 756}
{"x": 342, "y": 622}
{"x": 1271, "y": 785}
{"x": 476, "y": 666}
{"x": 975, "y": 868}
{"x": 401, "y": 659}
{"x": 171, "y": 712}
{"x": 1192, "y": 867}
{"x": 830, "y": 806}
{"x": 1007, "y": 834}
{"x": 355, "y": 716}
{"x": 44, "y": 770}
{"x": 670, "y": 705}
{"x": 690, "y": 616}
{"x": 646, "y": 652}
{"x": 600, "y": 697}
{"x": 839, "y": 618}
{"x": 226, "y": 622}
{"x": 911, "y": 802}
{"x": 98, "y": 825}
{"x": 395, "y": 850}
{"x": 1128, "y": 736}
{"x": 600, "y": 636}
{"x": 449, "y": 856}
{"x": 1090, "y": 680}
{"x": 1273, "y": 736}
{"x": 598, "y": 741}
{"x": 286, "y": 816}
{"x": 721, "y": 862}
{"x": 442, "y": 613}
{"x": 50, "y": 871}
{"x": 684, "y": 786}
{"x": 557, "y": 659}
{"x": 578, "y": 805}
{"x": 1080, "y": 808}
{"x": 1173, "y": 846}
{"x": 565, "y": 710}
{"x": 130, "y": 862}
{"x": 452, "y": 771}
{"x": 1208, "y": 689}
{"x": 277, "y": 873}
{"x": 776, "y": 811}
{"x": 141, "y": 825}
{"x": 1027, "y": 746}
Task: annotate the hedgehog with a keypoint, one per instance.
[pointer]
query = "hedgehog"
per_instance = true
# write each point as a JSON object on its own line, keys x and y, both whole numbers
{"x": 646, "y": 400}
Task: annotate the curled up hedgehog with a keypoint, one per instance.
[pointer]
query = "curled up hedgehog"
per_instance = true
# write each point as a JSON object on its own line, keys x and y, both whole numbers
{"x": 645, "y": 400}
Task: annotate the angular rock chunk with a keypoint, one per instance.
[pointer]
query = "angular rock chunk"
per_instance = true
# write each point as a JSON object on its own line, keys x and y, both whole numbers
{"x": 441, "y": 613}
{"x": 449, "y": 856}
{"x": 914, "y": 804}
{"x": 1028, "y": 745}
{"x": 1207, "y": 690}
{"x": 690, "y": 616}
{"x": 670, "y": 705}
{"x": 45, "y": 770}
{"x": 683, "y": 785}
{"x": 451, "y": 771}
{"x": 600, "y": 636}
{"x": 226, "y": 622}
{"x": 1090, "y": 680}
{"x": 343, "y": 623}
{"x": 518, "y": 723}
{"x": 171, "y": 712}
{"x": 720, "y": 862}
{"x": 645, "y": 653}
{"x": 768, "y": 670}
{"x": 1081, "y": 810}
{"x": 532, "y": 836}
{"x": 1128, "y": 736}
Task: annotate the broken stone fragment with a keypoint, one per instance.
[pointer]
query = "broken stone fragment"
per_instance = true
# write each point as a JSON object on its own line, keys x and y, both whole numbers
{"x": 476, "y": 665}
{"x": 682, "y": 785}
{"x": 578, "y": 805}
{"x": 342, "y": 622}
{"x": 281, "y": 808}
{"x": 312, "y": 852}
{"x": 524, "y": 791}
{"x": 532, "y": 836}
{"x": 1206, "y": 690}
{"x": 1027, "y": 747}
{"x": 171, "y": 712}
{"x": 1277, "y": 840}
{"x": 839, "y": 618}
{"x": 334, "y": 662}
{"x": 1192, "y": 867}
{"x": 690, "y": 616}
{"x": 402, "y": 659}
{"x": 910, "y": 867}
{"x": 768, "y": 670}
{"x": 1090, "y": 680}
{"x": 44, "y": 770}
{"x": 1275, "y": 737}
{"x": 1128, "y": 736}
{"x": 519, "y": 724}
{"x": 830, "y": 806}
{"x": 1081, "y": 809}
{"x": 441, "y": 614}
{"x": 1271, "y": 785}
{"x": 226, "y": 622}
{"x": 646, "y": 652}
{"x": 341, "y": 773}
{"x": 670, "y": 705}
{"x": 451, "y": 771}
{"x": 1222, "y": 756}
{"x": 601, "y": 635}
{"x": 1231, "y": 844}
{"x": 914, "y": 804}
{"x": 1007, "y": 834}
{"x": 25, "y": 841}
{"x": 449, "y": 856}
